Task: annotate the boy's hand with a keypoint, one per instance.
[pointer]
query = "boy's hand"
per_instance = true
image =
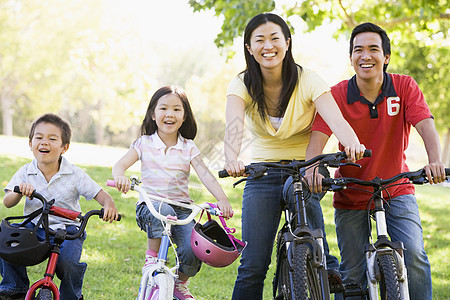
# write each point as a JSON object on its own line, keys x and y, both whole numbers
{"x": 110, "y": 212}
{"x": 225, "y": 208}
{"x": 26, "y": 189}
{"x": 123, "y": 183}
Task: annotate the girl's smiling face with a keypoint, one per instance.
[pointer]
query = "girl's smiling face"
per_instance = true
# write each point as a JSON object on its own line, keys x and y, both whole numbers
{"x": 46, "y": 144}
{"x": 169, "y": 116}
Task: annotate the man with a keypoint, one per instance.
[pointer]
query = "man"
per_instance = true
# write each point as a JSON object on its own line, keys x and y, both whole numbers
{"x": 381, "y": 108}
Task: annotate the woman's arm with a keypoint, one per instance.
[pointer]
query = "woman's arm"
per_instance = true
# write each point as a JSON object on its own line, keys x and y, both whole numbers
{"x": 330, "y": 112}
{"x": 234, "y": 131}
{"x": 210, "y": 182}
{"x": 118, "y": 170}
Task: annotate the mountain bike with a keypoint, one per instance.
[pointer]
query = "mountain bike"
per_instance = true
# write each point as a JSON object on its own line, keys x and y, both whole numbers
{"x": 158, "y": 280}
{"x": 20, "y": 245}
{"x": 301, "y": 271}
{"x": 386, "y": 268}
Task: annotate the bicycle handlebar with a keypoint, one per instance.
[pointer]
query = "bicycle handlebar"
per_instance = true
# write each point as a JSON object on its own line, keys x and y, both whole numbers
{"x": 328, "y": 159}
{"x": 196, "y": 208}
{"x": 65, "y": 213}
{"x": 415, "y": 177}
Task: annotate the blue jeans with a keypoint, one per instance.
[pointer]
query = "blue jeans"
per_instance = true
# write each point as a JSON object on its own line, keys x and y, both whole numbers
{"x": 403, "y": 224}
{"x": 261, "y": 212}
{"x": 181, "y": 234}
{"x": 68, "y": 269}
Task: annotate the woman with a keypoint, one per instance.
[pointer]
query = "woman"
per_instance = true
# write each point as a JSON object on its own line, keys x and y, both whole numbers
{"x": 279, "y": 100}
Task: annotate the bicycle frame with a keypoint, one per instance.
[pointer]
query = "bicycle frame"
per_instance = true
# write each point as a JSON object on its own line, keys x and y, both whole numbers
{"x": 150, "y": 273}
{"x": 298, "y": 232}
{"x": 384, "y": 246}
{"x": 393, "y": 251}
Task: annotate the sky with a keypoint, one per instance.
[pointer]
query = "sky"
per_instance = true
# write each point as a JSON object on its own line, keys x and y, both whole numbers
{"x": 172, "y": 24}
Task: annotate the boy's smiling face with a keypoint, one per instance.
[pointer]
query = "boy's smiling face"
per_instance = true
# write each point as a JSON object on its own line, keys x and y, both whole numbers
{"x": 47, "y": 145}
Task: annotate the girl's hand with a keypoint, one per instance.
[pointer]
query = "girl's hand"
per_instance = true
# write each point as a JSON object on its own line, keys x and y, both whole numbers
{"x": 123, "y": 183}
{"x": 355, "y": 152}
{"x": 235, "y": 168}
{"x": 225, "y": 208}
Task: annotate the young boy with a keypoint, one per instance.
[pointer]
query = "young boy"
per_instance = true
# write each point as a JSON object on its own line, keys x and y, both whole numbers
{"x": 51, "y": 175}
{"x": 381, "y": 107}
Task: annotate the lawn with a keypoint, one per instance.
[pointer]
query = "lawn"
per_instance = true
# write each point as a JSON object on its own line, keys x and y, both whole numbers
{"x": 115, "y": 252}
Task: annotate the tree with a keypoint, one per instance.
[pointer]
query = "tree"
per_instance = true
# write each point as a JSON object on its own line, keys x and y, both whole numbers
{"x": 418, "y": 30}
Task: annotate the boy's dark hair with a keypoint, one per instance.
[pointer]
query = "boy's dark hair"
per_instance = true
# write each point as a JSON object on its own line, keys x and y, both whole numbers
{"x": 66, "y": 132}
{"x": 189, "y": 127}
{"x": 370, "y": 27}
{"x": 252, "y": 75}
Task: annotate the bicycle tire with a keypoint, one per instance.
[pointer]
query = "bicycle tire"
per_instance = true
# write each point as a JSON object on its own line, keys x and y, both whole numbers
{"x": 44, "y": 294}
{"x": 284, "y": 279}
{"x": 306, "y": 283}
{"x": 389, "y": 284}
{"x": 164, "y": 290}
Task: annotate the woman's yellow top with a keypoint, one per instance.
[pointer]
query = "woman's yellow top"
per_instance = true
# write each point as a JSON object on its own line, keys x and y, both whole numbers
{"x": 291, "y": 139}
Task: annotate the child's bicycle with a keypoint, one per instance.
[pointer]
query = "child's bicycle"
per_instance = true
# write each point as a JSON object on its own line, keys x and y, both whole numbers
{"x": 211, "y": 244}
{"x": 386, "y": 268}
{"x": 301, "y": 271}
{"x": 19, "y": 244}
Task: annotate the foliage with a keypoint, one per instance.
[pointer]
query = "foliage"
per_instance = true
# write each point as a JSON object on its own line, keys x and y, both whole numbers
{"x": 418, "y": 29}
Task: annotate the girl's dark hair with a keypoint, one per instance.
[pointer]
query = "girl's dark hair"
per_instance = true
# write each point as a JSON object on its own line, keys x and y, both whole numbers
{"x": 252, "y": 74}
{"x": 66, "y": 132}
{"x": 189, "y": 127}
{"x": 370, "y": 27}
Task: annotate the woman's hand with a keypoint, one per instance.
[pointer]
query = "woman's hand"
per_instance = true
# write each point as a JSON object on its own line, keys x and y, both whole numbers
{"x": 355, "y": 152}
{"x": 235, "y": 168}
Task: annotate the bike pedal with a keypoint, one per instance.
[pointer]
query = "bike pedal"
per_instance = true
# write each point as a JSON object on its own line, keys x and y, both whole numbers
{"x": 337, "y": 288}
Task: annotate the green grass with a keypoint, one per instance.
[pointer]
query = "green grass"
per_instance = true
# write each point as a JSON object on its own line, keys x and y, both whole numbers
{"x": 115, "y": 252}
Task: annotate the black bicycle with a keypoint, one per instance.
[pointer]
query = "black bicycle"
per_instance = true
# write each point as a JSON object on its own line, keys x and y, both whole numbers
{"x": 386, "y": 268}
{"x": 301, "y": 271}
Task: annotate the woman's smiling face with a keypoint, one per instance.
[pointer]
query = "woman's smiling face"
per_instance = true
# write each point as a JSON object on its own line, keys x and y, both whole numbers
{"x": 268, "y": 45}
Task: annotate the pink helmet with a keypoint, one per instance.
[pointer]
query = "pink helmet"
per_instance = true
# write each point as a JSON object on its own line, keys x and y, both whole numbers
{"x": 215, "y": 245}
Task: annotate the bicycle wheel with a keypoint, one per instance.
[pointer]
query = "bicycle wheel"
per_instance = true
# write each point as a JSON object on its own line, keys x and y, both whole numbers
{"x": 164, "y": 287}
{"x": 284, "y": 280}
{"x": 306, "y": 283}
{"x": 44, "y": 294}
{"x": 389, "y": 285}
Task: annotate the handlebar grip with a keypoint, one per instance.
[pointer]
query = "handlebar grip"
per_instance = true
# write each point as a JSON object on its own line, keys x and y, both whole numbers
{"x": 102, "y": 212}
{"x": 223, "y": 174}
{"x": 111, "y": 183}
{"x": 17, "y": 189}
{"x": 367, "y": 153}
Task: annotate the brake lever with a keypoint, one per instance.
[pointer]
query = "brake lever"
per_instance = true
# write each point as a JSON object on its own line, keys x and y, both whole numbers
{"x": 255, "y": 173}
{"x": 350, "y": 164}
{"x": 239, "y": 181}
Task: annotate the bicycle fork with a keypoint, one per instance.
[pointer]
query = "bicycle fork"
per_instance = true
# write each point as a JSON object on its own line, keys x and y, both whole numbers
{"x": 384, "y": 246}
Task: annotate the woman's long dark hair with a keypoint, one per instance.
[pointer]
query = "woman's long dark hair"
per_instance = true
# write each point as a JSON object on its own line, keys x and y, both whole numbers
{"x": 189, "y": 127}
{"x": 252, "y": 74}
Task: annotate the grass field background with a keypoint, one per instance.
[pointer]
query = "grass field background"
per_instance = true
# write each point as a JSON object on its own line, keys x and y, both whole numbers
{"x": 115, "y": 252}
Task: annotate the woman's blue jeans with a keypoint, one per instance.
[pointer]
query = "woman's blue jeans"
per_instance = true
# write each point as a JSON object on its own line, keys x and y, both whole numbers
{"x": 261, "y": 212}
{"x": 403, "y": 224}
{"x": 68, "y": 269}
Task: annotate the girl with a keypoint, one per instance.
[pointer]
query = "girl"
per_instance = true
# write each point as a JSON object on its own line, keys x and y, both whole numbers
{"x": 166, "y": 151}
{"x": 279, "y": 99}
